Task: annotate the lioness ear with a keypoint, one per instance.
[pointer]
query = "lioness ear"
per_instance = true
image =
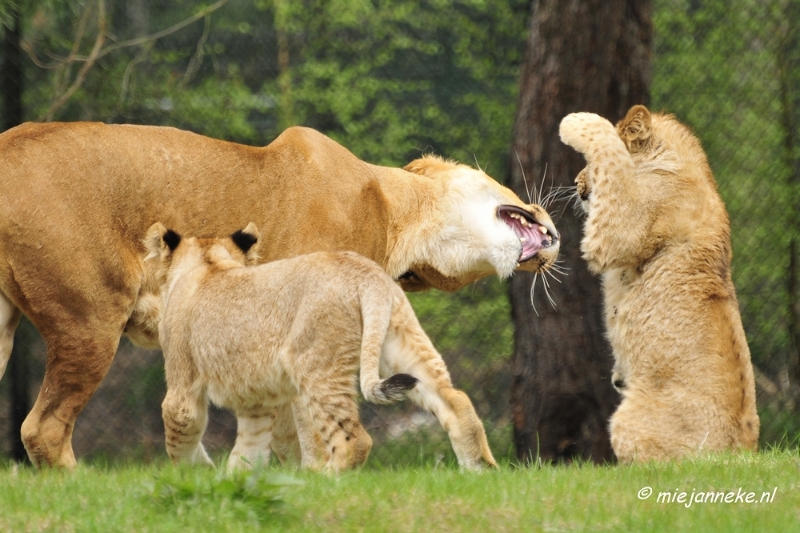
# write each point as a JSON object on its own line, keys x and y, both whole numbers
{"x": 160, "y": 240}
{"x": 247, "y": 241}
{"x": 430, "y": 164}
{"x": 635, "y": 129}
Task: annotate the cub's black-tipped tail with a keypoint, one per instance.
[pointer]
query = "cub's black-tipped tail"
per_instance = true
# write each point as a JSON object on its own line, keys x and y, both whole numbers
{"x": 396, "y": 388}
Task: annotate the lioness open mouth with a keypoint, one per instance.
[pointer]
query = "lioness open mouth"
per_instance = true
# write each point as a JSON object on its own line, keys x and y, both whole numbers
{"x": 532, "y": 235}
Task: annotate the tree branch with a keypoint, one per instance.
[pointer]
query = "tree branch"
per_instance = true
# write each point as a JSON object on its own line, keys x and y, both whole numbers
{"x": 81, "y": 76}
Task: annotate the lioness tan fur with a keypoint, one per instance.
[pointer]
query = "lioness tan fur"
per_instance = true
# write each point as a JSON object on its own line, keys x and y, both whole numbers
{"x": 658, "y": 232}
{"x": 77, "y": 198}
{"x": 256, "y": 338}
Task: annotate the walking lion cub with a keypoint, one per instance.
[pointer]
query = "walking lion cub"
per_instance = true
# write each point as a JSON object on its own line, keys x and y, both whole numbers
{"x": 291, "y": 334}
{"x": 658, "y": 232}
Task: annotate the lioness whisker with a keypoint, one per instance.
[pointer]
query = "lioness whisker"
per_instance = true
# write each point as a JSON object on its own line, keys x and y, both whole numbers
{"x": 549, "y": 273}
{"x": 546, "y": 286}
{"x": 533, "y": 289}
{"x": 559, "y": 193}
{"x": 541, "y": 189}
{"x": 522, "y": 170}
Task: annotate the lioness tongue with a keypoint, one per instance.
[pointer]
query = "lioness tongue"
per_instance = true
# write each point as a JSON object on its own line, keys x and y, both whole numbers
{"x": 531, "y": 238}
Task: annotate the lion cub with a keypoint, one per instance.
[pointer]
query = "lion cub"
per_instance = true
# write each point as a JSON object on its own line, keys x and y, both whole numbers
{"x": 658, "y": 232}
{"x": 257, "y": 339}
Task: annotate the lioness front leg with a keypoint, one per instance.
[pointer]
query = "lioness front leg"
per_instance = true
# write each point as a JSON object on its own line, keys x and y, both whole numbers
{"x": 75, "y": 367}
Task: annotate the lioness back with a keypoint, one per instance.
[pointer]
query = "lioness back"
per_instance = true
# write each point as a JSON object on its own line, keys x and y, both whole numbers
{"x": 658, "y": 232}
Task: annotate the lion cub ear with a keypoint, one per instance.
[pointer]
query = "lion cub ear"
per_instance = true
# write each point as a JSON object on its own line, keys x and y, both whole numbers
{"x": 636, "y": 129}
{"x": 160, "y": 241}
{"x": 247, "y": 241}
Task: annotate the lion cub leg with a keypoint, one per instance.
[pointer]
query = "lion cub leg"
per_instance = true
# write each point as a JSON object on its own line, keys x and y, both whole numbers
{"x": 253, "y": 439}
{"x": 408, "y": 350}
{"x": 285, "y": 444}
{"x": 185, "y": 414}
{"x": 333, "y": 419}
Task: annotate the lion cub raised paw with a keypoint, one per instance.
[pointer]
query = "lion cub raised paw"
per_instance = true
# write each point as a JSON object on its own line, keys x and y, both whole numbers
{"x": 290, "y": 336}
{"x": 658, "y": 233}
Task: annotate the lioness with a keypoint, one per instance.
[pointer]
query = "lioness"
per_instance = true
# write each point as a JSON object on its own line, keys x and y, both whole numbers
{"x": 658, "y": 232}
{"x": 76, "y": 200}
{"x": 255, "y": 338}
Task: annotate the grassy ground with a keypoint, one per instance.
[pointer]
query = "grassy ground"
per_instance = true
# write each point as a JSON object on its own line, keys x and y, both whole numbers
{"x": 571, "y": 498}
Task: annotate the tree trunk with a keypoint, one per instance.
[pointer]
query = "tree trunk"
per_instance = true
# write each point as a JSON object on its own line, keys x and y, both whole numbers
{"x": 582, "y": 55}
{"x": 11, "y": 84}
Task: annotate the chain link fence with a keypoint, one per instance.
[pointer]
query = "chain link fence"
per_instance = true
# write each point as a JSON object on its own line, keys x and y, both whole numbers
{"x": 730, "y": 72}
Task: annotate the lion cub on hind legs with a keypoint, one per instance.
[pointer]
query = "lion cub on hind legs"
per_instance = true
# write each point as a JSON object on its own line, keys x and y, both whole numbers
{"x": 259, "y": 338}
{"x": 658, "y": 232}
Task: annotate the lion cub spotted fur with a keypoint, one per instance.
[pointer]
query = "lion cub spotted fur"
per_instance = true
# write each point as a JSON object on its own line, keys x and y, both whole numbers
{"x": 658, "y": 232}
{"x": 291, "y": 335}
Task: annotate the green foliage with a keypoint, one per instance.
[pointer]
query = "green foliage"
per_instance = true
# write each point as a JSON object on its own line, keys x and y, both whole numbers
{"x": 253, "y": 495}
{"x": 392, "y": 79}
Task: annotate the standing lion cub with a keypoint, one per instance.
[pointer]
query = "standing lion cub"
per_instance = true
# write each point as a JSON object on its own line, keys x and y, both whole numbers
{"x": 658, "y": 232}
{"x": 259, "y": 338}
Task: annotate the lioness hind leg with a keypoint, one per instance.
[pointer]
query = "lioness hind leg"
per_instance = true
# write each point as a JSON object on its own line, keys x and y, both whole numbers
{"x": 457, "y": 416}
{"x": 9, "y": 320}
{"x": 334, "y": 420}
{"x": 253, "y": 439}
{"x": 185, "y": 417}
{"x": 408, "y": 350}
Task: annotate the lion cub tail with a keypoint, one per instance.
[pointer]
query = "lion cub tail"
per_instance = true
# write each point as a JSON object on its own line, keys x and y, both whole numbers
{"x": 376, "y": 312}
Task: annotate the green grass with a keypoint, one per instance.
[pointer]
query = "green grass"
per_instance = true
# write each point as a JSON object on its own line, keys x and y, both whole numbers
{"x": 565, "y": 498}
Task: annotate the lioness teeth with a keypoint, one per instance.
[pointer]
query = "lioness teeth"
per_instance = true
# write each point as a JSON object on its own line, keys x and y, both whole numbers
{"x": 523, "y": 239}
{"x": 543, "y": 230}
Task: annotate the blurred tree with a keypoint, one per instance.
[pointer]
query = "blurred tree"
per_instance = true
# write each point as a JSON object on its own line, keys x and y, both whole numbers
{"x": 582, "y": 55}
